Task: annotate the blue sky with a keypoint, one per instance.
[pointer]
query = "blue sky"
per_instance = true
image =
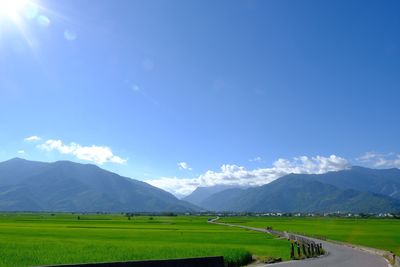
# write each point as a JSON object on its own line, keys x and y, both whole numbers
{"x": 177, "y": 89}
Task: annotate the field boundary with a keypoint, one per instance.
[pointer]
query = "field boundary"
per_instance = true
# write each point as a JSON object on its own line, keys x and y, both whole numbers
{"x": 217, "y": 261}
{"x": 392, "y": 259}
{"x": 286, "y": 235}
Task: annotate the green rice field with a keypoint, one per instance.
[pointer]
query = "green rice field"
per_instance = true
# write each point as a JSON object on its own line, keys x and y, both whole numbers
{"x": 377, "y": 233}
{"x": 43, "y": 239}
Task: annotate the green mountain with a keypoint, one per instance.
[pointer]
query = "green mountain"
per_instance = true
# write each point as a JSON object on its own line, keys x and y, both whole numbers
{"x": 380, "y": 181}
{"x": 300, "y": 193}
{"x": 202, "y": 193}
{"x": 68, "y": 186}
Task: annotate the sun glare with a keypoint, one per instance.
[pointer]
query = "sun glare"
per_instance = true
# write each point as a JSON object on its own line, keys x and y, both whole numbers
{"x": 12, "y": 8}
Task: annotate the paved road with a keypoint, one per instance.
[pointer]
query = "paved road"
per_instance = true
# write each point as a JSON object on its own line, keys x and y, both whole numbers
{"x": 338, "y": 255}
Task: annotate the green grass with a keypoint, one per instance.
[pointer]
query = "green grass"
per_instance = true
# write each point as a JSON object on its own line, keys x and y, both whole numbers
{"x": 40, "y": 239}
{"x": 377, "y": 233}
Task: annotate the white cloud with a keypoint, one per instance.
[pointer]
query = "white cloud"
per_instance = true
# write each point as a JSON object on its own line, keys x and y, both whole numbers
{"x": 184, "y": 166}
{"x": 238, "y": 175}
{"x": 256, "y": 159}
{"x": 21, "y": 152}
{"x": 380, "y": 160}
{"x": 178, "y": 187}
{"x": 97, "y": 154}
{"x": 32, "y": 138}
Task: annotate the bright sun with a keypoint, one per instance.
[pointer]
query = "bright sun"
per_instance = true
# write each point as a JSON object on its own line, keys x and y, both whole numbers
{"x": 16, "y": 15}
{"x": 12, "y": 8}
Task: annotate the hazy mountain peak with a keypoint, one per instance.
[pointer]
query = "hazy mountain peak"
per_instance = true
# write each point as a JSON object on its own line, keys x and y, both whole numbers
{"x": 16, "y": 159}
{"x": 203, "y": 192}
{"x": 70, "y": 186}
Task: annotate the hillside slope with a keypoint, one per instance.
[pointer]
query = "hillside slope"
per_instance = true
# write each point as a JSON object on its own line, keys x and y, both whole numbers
{"x": 299, "y": 193}
{"x": 203, "y": 193}
{"x": 68, "y": 186}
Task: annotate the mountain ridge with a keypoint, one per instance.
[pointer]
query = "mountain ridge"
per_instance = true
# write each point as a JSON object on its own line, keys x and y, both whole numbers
{"x": 292, "y": 193}
{"x": 69, "y": 186}
{"x": 201, "y": 193}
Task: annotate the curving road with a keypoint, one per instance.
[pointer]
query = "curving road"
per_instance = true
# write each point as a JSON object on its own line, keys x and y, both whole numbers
{"x": 338, "y": 255}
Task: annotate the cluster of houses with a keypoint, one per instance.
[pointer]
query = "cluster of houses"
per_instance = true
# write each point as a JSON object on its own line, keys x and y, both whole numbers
{"x": 280, "y": 214}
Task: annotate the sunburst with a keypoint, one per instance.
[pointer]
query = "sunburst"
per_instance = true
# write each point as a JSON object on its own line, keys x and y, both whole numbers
{"x": 18, "y": 14}
{"x": 13, "y": 9}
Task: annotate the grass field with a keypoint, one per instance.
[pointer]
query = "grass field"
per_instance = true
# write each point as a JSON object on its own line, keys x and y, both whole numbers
{"x": 377, "y": 233}
{"x": 40, "y": 239}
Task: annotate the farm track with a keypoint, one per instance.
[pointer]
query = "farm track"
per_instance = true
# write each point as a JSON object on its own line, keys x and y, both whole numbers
{"x": 338, "y": 255}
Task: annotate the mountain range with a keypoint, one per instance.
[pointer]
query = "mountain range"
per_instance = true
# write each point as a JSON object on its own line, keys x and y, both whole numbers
{"x": 67, "y": 186}
{"x": 201, "y": 193}
{"x": 354, "y": 190}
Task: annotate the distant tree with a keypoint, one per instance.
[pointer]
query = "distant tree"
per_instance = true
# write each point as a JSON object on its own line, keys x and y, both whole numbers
{"x": 170, "y": 214}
